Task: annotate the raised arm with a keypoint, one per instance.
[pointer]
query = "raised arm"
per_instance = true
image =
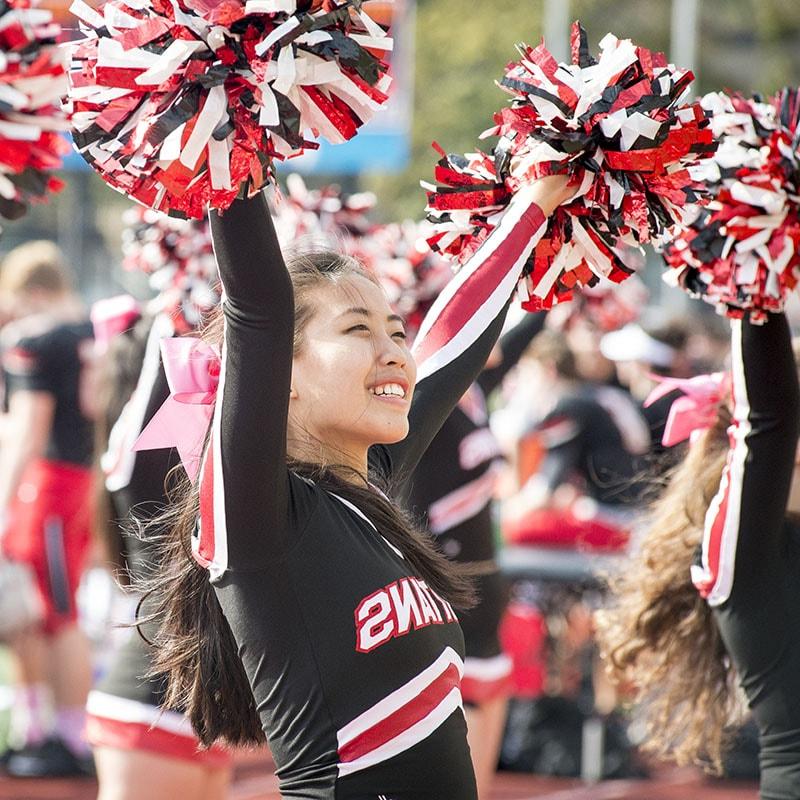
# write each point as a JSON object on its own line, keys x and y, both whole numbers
{"x": 458, "y": 333}
{"x": 745, "y": 520}
{"x": 244, "y": 489}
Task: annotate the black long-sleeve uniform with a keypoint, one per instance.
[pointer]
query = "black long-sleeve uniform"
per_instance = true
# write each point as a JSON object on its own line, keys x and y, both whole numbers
{"x": 353, "y": 661}
{"x": 749, "y": 568}
{"x": 454, "y": 504}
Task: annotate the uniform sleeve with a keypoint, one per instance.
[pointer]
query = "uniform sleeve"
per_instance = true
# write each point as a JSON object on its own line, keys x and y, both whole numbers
{"x": 244, "y": 481}
{"x": 745, "y": 520}
{"x": 29, "y": 365}
{"x": 512, "y": 345}
{"x": 459, "y": 331}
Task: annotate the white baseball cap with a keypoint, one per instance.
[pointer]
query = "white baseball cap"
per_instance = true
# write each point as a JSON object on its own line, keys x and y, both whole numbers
{"x": 633, "y": 343}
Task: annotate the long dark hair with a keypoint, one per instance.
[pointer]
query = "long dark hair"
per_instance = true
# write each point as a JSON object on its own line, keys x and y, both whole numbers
{"x": 194, "y": 644}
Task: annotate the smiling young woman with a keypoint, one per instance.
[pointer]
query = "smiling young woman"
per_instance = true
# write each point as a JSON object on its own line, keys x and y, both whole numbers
{"x": 312, "y": 610}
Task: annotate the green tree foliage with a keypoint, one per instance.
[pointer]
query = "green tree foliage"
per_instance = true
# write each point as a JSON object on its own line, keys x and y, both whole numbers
{"x": 462, "y": 47}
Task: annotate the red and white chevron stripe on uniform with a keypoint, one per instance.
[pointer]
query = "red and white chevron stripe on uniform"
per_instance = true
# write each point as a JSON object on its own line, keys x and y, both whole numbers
{"x": 714, "y": 578}
{"x": 404, "y": 718}
{"x": 463, "y": 503}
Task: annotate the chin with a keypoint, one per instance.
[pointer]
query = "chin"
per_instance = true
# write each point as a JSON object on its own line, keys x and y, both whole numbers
{"x": 390, "y": 434}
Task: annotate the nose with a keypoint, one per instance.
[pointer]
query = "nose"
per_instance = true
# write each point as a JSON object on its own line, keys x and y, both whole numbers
{"x": 393, "y": 351}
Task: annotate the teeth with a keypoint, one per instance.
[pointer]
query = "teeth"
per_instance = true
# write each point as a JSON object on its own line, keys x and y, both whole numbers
{"x": 393, "y": 389}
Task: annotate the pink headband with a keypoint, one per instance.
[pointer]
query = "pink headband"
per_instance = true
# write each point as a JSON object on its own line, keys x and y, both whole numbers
{"x": 696, "y": 410}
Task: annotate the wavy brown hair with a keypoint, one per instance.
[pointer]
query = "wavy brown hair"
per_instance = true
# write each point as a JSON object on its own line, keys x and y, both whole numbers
{"x": 194, "y": 644}
{"x": 658, "y": 634}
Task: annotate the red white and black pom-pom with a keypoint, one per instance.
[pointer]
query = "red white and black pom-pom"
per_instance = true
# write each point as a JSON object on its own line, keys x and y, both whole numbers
{"x": 323, "y": 212}
{"x": 741, "y": 252}
{"x": 181, "y": 103}
{"x": 618, "y": 125}
{"x": 178, "y": 257}
{"x": 32, "y": 82}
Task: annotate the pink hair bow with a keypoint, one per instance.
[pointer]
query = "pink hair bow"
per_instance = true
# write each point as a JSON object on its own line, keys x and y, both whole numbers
{"x": 696, "y": 410}
{"x": 192, "y": 367}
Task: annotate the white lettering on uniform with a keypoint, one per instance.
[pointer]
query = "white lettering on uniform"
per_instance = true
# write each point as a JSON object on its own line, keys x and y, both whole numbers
{"x": 373, "y": 621}
{"x": 428, "y": 611}
{"x": 406, "y": 606}
{"x": 396, "y": 609}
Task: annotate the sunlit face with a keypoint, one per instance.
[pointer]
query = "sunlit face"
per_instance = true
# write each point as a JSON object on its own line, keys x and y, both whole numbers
{"x": 353, "y": 379}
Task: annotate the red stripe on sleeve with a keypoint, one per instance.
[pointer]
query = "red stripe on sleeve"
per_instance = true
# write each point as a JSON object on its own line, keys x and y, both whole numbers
{"x": 478, "y": 287}
{"x": 204, "y": 552}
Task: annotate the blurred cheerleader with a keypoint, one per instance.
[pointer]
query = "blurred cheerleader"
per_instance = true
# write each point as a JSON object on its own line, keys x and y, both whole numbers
{"x": 711, "y": 597}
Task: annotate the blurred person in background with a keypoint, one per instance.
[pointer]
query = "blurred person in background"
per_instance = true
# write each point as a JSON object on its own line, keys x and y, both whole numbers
{"x": 451, "y": 491}
{"x": 709, "y": 342}
{"x": 141, "y": 749}
{"x": 577, "y": 465}
{"x": 594, "y": 311}
{"x": 642, "y": 355}
{"x": 45, "y": 501}
{"x": 710, "y": 599}
{"x": 581, "y": 323}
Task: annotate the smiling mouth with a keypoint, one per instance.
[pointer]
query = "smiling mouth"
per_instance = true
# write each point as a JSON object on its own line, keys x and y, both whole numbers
{"x": 389, "y": 390}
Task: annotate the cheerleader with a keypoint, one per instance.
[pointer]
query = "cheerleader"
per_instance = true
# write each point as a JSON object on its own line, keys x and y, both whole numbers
{"x": 141, "y": 749}
{"x": 711, "y": 599}
{"x": 311, "y": 611}
{"x": 45, "y": 501}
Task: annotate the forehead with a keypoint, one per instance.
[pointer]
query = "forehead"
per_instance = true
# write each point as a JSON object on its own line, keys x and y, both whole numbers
{"x": 333, "y": 299}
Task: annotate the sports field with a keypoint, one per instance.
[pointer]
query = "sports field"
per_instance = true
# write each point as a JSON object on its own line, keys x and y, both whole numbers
{"x": 254, "y": 781}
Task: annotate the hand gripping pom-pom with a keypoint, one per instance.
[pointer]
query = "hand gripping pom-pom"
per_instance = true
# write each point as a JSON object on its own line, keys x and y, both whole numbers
{"x": 618, "y": 126}
{"x": 32, "y": 81}
{"x": 184, "y": 103}
{"x": 177, "y": 256}
{"x": 741, "y": 252}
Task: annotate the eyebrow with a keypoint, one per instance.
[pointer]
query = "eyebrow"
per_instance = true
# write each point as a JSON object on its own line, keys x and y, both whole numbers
{"x": 364, "y": 312}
